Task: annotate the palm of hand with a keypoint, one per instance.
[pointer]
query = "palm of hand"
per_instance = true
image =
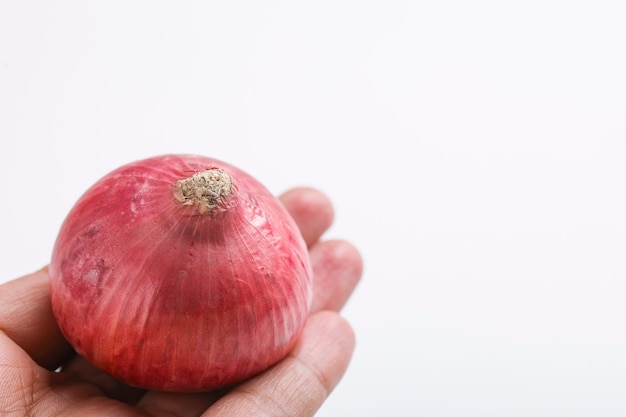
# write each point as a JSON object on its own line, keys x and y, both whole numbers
{"x": 32, "y": 347}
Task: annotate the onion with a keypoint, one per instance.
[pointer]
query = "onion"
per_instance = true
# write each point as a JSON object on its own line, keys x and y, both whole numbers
{"x": 180, "y": 273}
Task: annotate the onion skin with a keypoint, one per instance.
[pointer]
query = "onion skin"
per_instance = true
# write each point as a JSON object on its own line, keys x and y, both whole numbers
{"x": 167, "y": 295}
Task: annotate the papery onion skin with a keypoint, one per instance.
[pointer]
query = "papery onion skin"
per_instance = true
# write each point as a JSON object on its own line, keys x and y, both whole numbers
{"x": 166, "y": 296}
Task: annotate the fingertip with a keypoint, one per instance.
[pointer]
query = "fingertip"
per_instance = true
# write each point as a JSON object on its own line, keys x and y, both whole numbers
{"x": 330, "y": 325}
{"x": 312, "y": 211}
{"x": 337, "y": 270}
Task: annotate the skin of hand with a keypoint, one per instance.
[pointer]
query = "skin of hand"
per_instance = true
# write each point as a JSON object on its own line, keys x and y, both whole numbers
{"x": 32, "y": 347}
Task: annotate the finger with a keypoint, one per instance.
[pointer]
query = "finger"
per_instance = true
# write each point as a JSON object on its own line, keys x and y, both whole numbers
{"x": 312, "y": 211}
{"x": 166, "y": 404}
{"x": 337, "y": 269}
{"x": 298, "y": 385}
{"x": 80, "y": 369}
{"x": 26, "y": 317}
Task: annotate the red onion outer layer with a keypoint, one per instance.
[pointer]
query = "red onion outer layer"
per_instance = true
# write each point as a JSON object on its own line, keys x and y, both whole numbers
{"x": 168, "y": 287}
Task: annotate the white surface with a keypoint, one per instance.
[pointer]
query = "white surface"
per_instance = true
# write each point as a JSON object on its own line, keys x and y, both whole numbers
{"x": 475, "y": 152}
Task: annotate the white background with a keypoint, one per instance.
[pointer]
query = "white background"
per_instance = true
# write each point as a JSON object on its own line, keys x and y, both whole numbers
{"x": 475, "y": 152}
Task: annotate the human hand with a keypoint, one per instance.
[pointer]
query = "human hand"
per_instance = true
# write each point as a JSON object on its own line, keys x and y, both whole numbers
{"x": 32, "y": 347}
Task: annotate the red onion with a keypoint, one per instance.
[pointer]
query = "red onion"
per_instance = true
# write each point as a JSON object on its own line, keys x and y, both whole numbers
{"x": 180, "y": 273}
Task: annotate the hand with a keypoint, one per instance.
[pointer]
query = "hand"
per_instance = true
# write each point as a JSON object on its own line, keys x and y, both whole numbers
{"x": 32, "y": 347}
